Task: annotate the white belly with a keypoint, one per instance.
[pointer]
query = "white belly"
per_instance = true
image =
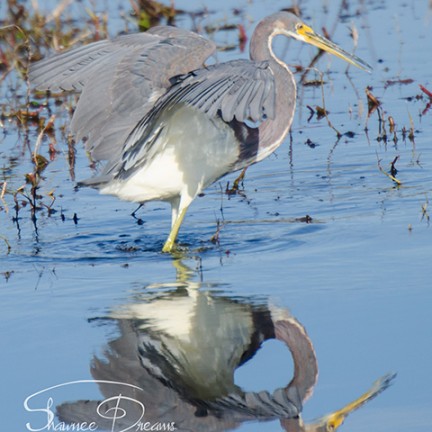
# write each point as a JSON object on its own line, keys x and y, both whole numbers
{"x": 193, "y": 151}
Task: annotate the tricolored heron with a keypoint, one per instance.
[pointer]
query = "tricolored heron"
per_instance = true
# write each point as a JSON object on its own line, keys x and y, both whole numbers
{"x": 180, "y": 348}
{"x": 168, "y": 126}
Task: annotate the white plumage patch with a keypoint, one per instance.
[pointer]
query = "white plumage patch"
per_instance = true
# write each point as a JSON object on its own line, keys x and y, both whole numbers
{"x": 191, "y": 152}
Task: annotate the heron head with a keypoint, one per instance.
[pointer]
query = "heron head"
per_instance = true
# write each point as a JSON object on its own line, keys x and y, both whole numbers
{"x": 328, "y": 423}
{"x": 294, "y": 27}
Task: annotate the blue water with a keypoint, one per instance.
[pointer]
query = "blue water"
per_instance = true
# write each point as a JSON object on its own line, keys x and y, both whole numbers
{"x": 358, "y": 277}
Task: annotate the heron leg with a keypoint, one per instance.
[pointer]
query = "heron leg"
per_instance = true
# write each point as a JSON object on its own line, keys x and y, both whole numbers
{"x": 170, "y": 242}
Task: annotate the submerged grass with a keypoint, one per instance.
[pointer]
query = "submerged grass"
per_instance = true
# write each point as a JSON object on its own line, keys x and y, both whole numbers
{"x": 27, "y": 34}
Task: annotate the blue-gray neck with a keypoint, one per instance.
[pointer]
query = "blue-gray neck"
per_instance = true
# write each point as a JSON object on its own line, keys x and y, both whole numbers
{"x": 273, "y": 131}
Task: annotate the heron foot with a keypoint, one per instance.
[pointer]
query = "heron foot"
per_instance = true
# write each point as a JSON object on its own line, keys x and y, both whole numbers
{"x": 170, "y": 244}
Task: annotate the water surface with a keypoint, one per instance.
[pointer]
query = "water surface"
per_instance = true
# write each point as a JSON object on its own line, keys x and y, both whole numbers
{"x": 357, "y": 277}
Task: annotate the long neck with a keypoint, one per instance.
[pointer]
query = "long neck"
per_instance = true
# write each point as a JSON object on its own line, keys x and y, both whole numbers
{"x": 273, "y": 131}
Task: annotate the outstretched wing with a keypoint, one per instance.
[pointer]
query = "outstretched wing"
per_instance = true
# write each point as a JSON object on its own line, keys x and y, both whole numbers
{"x": 120, "y": 80}
{"x": 235, "y": 92}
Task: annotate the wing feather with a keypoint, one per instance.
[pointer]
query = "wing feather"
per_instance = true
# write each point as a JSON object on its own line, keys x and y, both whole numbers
{"x": 119, "y": 81}
{"x": 238, "y": 91}
{"x": 68, "y": 71}
{"x": 245, "y": 90}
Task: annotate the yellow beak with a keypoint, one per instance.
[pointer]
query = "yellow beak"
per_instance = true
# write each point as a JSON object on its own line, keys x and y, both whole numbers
{"x": 307, "y": 34}
{"x": 333, "y": 421}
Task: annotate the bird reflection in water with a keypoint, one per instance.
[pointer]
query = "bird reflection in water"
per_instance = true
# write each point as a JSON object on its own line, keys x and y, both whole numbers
{"x": 181, "y": 344}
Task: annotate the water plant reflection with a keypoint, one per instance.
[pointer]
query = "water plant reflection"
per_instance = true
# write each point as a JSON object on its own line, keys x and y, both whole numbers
{"x": 181, "y": 344}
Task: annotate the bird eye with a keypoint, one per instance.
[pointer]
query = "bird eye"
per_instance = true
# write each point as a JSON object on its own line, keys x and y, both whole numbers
{"x": 299, "y": 26}
{"x": 330, "y": 427}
